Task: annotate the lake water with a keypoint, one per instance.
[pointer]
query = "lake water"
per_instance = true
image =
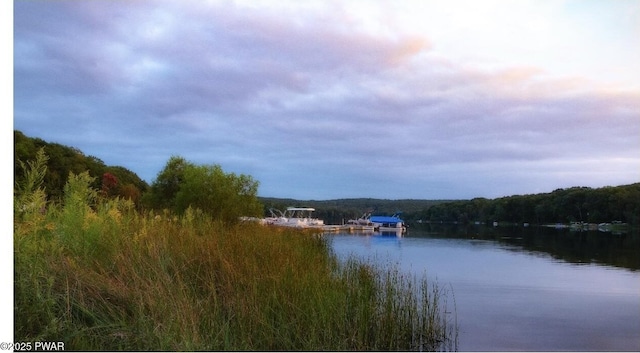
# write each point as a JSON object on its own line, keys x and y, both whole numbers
{"x": 523, "y": 289}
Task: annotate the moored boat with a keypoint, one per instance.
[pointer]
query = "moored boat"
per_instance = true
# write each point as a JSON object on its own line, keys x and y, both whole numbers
{"x": 389, "y": 223}
{"x": 297, "y": 217}
{"x": 362, "y": 224}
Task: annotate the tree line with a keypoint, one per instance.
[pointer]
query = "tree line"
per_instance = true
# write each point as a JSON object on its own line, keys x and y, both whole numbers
{"x": 183, "y": 184}
{"x": 576, "y": 204}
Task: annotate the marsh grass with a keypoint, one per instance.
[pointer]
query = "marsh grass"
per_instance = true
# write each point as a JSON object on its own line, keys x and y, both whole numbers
{"x": 98, "y": 275}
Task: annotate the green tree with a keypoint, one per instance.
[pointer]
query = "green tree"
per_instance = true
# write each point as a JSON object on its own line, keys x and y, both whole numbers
{"x": 163, "y": 190}
{"x": 227, "y": 196}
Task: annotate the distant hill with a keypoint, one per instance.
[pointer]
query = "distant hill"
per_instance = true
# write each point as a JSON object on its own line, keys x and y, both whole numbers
{"x": 610, "y": 204}
{"x": 576, "y": 204}
{"x": 64, "y": 159}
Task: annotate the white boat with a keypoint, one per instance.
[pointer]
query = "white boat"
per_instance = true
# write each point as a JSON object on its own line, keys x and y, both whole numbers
{"x": 277, "y": 216}
{"x": 362, "y": 224}
{"x": 297, "y": 217}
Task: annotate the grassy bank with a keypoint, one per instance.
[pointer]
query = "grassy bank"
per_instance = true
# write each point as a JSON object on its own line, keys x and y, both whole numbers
{"x": 98, "y": 275}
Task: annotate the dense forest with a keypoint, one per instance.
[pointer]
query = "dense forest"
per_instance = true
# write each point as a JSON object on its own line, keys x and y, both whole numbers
{"x": 62, "y": 160}
{"x": 576, "y": 204}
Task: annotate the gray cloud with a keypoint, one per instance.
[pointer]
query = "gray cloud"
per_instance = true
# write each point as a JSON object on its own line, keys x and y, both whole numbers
{"x": 308, "y": 105}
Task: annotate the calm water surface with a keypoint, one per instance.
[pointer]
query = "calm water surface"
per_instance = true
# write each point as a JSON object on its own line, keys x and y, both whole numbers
{"x": 519, "y": 290}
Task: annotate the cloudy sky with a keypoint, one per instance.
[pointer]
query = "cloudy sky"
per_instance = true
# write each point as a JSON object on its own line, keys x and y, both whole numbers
{"x": 338, "y": 99}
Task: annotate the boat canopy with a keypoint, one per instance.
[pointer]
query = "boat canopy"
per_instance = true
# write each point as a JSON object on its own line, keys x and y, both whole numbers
{"x": 385, "y": 219}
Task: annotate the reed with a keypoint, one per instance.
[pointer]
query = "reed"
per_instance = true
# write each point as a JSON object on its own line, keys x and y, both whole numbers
{"x": 98, "y": 275}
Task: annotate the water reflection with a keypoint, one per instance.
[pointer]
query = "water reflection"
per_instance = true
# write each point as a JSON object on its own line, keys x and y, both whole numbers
{"x": 586, "y": 247}
{"x": 523, "y": 289}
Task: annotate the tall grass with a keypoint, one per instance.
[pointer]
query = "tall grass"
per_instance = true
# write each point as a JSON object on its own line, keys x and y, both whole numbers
{"x": 98, "y": 275}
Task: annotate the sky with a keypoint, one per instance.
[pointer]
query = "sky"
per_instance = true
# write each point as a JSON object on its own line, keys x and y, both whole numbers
{"x": 341, "y": 99}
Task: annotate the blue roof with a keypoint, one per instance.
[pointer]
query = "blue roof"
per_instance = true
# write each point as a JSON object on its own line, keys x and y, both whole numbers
{"x": 384, "y": 219}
